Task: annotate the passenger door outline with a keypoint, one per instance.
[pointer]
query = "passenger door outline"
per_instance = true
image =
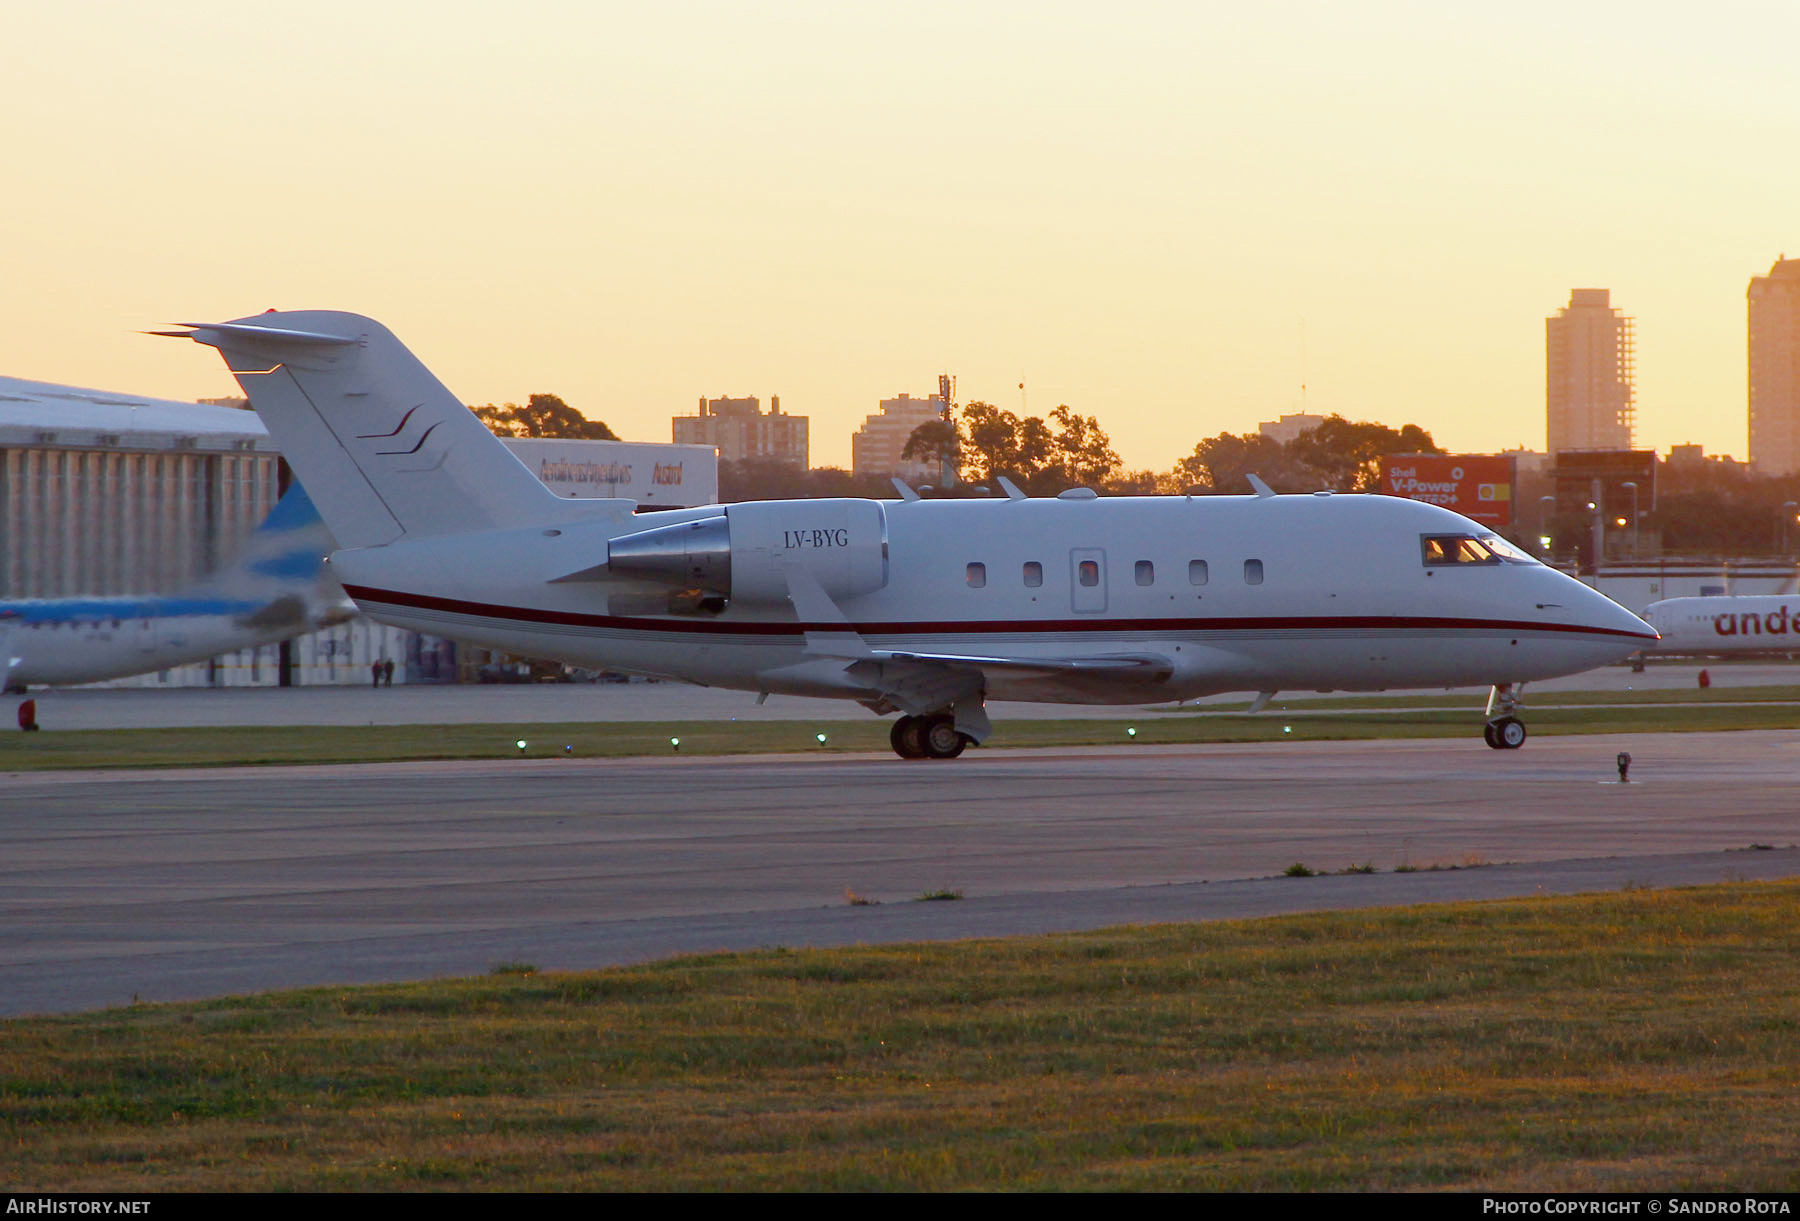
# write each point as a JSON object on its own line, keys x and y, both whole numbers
{"x": 1087, "y": 599}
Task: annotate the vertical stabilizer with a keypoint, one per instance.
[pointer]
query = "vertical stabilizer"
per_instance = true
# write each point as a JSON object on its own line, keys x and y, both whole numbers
{"x": 383, "y": 447}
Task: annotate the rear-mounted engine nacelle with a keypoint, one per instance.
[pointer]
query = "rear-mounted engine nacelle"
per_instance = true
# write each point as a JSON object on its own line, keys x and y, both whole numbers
{"x": 741, "y": 552}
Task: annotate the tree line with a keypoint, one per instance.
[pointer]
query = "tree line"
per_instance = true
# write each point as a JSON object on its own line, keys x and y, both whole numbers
{"x": 1711, "y": 507}
{"x": 1068, "y": 450}
{"x": 1720, "y": 507}
{"x": 542, "y": 415}
{"x": 1043, "y": 456}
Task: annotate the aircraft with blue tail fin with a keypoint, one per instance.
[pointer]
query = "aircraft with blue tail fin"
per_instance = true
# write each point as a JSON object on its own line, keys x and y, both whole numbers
{"x": 278, "y": 588}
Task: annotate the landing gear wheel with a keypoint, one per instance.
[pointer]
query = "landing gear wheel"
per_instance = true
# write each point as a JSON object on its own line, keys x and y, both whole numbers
{"x": 1487, "y": 735}
{"x": 941, "y": 739}
{"x": 907, "y": 737}
{"x": 1507, "y": 733}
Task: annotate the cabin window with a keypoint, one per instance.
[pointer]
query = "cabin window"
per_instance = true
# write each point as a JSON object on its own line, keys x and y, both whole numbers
{"x": 1145, "y": 572}
{"x": 1034, "y": 574}
{"x": 1253, "y": 572}
{"x": 1088, "y": 573}
{"x": 977, "y": 575}
{"x": 1196, "y": 572}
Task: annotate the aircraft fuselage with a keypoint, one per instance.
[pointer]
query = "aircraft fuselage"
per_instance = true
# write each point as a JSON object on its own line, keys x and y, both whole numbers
{"x": 1235, "y": 593}
{"x": 1725, "y": 625}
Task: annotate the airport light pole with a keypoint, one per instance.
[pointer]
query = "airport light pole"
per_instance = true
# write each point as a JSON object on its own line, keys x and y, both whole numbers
{"x": 1787, "y": 520}
{"x": 1634, "y": 516}
{"x": 1546, "y": 511}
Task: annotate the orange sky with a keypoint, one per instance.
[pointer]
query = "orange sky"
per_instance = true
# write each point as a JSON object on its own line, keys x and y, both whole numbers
{"x": 1164, "y": 215}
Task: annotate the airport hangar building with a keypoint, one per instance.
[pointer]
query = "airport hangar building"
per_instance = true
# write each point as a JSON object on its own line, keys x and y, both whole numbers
{"x": 104, "y": 493}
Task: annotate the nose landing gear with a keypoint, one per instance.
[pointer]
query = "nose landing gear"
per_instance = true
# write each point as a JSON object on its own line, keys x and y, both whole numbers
{"x": 1507, "y": 733}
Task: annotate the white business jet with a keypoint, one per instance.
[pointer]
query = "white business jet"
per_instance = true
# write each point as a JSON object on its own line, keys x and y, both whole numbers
{"x": 276, "y": 589}
{"x": 923, "y": 607}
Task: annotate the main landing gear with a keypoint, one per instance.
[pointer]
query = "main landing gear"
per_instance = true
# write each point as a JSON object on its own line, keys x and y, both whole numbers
{"x": 1503, "y": 730}
{"x": 1507, "y": 733}
{"x": 928, "y": 737}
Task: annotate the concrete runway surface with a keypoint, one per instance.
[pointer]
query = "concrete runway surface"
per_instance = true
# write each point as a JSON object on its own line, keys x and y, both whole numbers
{"x": 177, "y": 885}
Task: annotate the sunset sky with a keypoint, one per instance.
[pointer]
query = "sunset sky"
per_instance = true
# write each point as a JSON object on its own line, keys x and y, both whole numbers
{"x": 1164, "y": 215}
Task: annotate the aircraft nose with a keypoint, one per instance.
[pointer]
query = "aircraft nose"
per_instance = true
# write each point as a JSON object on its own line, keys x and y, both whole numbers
{"x": 1600, "y": 613}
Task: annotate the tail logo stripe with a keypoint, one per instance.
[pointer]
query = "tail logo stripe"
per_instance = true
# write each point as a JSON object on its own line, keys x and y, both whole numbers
{"x": 391, "y": 453}
{"x": 378, "y": 436}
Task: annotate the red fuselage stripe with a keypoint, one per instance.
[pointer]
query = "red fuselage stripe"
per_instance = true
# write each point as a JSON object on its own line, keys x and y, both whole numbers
{"x": 714, "y": 627}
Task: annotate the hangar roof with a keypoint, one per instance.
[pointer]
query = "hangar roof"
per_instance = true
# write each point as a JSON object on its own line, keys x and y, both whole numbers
{"x": 45, "y": 414}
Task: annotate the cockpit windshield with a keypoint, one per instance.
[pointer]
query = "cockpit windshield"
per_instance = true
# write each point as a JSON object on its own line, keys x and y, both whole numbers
{"x": 1441, "y": 550}
{"x": 1506, "y": 551}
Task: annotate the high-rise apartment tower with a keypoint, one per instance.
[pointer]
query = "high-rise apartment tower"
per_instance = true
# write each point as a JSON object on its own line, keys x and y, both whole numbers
{"x": 1775, "y": 369}
{"x": 876, "y": 447}
{"x": 740, "y": 429}
{"x": 1588, "y": 365}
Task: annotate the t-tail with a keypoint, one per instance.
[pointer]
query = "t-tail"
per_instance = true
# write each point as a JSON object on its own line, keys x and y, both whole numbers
{"x": 384, "y": 448}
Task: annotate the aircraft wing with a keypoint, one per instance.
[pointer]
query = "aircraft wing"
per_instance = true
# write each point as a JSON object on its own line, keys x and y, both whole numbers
{"x": 1148, "y": 667}
{"x": 920, "y": 681}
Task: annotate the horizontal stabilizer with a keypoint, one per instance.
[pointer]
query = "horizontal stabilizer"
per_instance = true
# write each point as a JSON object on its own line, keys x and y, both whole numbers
{"x": 249, "y": 331}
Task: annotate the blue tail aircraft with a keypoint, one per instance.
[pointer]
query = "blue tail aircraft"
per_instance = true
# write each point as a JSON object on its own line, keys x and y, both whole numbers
{"x": 275, "y": 590}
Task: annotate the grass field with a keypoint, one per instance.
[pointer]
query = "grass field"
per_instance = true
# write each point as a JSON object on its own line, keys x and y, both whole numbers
{"x": 1630, "y": 1041}
{"x": 1399, "y": 717}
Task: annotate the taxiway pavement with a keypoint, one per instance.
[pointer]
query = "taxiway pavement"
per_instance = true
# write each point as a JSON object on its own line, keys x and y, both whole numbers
{"x": 126, "y": 885}
{"x": 424, "y": 704}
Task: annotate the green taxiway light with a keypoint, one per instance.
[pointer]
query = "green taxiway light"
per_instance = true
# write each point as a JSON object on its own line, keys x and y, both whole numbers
{"x": 675, "y": 744}
{"x": 820, "y": 737}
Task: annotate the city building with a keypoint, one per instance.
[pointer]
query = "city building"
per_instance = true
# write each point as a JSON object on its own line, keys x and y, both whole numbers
{"x": 1288, "y": 427}
{"x": 875, "y": 448}
{"x": 1774, "y": 305}
{"x": 1692, "y": 460}
{"x": 739, "y": 429}
{"x": 1589, "y": 365}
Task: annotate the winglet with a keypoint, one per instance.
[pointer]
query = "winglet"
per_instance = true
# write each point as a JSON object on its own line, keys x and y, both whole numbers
{"x": 1262, "y": 489}
{"x": 901, "y": 486}
{"x": 1010, "y": 488}
{"x": 1261, "y": 701}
